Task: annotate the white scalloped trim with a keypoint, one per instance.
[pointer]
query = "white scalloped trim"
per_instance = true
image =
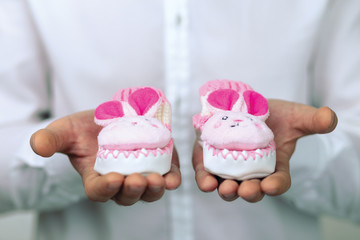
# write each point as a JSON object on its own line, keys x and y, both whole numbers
{"x": 130, "y": 162}
{"x": 225, "y": 165}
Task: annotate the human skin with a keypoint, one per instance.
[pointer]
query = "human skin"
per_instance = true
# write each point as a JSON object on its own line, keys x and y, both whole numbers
{"x": 76, "y": 136}
{"x": 289, "y": 121}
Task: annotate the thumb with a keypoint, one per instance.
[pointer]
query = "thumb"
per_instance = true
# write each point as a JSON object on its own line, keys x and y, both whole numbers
{"x": 45, "y": 142}
{"x": 312, "y": 120}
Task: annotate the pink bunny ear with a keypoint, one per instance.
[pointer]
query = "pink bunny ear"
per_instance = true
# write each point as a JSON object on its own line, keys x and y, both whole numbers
{"x": 107, "y": 111}
{"x": 256, "y": 104}
{"x": 143, "y": 99}
{"x": 223, "y": 99}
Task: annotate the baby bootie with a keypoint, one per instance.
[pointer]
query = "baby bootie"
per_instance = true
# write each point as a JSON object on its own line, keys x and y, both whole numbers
{"x": 136, "y": 134}
{"x": 237, "y": 143}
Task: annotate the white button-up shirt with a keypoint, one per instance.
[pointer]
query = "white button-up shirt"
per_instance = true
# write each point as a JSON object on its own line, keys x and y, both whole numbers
{"x": 64, "y": 56}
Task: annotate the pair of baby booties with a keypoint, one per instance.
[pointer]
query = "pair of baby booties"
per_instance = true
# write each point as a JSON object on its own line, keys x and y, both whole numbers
{"x": 136, "y": 134}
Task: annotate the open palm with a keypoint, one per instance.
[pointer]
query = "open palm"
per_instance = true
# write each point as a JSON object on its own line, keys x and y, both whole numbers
{"x": 76, "y": 136}
{"x": 289, "y": 121}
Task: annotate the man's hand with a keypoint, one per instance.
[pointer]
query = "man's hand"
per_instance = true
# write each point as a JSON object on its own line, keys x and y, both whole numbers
{"x": 76, "y": 136}
{"x": 289, "y": 121}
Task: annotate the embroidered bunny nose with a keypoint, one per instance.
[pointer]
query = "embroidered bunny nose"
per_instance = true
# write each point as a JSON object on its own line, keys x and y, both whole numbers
{"x": 238, "y": 120}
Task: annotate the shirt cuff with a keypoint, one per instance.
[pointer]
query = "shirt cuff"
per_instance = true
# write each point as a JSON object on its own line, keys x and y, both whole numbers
{"x": 325, "y": 172}
{"x": 43, "y": 183}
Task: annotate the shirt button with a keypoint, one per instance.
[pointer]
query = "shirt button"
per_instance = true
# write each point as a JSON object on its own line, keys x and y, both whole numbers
{"x": 178, "y": 20}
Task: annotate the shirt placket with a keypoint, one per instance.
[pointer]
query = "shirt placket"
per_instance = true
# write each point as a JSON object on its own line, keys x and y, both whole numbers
{"x": 177, "y": 77}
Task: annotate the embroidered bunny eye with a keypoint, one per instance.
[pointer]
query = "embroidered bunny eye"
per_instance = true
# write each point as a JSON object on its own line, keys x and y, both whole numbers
{"x": 224, "y": 118}
{"x": 251, "y": 119}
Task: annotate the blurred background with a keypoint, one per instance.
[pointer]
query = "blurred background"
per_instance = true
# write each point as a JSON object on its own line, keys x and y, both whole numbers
{"x": 21, "y": 225}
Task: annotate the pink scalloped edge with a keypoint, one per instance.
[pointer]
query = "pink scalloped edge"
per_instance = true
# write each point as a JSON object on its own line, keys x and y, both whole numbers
{"x": 104, "y": 153}
{"x": 223, "y": 84}
{"x": 123, "y": 94}
{"x": 249, "y": 154}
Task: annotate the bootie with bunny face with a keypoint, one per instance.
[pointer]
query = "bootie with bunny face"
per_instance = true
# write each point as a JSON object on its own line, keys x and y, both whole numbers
{"x": 237, "y": 143}
{"x": 136, "y": 137}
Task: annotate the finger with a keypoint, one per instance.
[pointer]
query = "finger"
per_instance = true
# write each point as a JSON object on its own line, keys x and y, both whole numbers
{"x": 133, "y": 188}
{"x": 173, "y": 177}
{"x": 250, "y": 190}
{"x": 44, "y": 142}
{"x": 325, "y": 120}
{"x": 61, "y": 135}
{"x": 56, "y": 137}
{"x": 155, "y": 188}
{"x": 205, "y": 181}
{"x": 311, "y": 120}
{"x": 278, "y": 182}
{"x": 228, "y": 190}
{"x": 102, "y": 188}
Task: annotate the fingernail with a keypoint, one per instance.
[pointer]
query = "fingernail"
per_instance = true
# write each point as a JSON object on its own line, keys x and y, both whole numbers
{"x": 113, "y": 186}
{"x": 253, "y": 197}
{"x": 155, "y": 189}
{"x": 135, "y": 189}
{"x": 334, "y": 121}
{"x": 273, "y": 192}
{"x": 229, "y": 197}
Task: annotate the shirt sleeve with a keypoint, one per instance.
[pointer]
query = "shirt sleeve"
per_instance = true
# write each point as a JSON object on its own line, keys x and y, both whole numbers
{"x": 27, "y": 181}
{"x": 325, "y": 169}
